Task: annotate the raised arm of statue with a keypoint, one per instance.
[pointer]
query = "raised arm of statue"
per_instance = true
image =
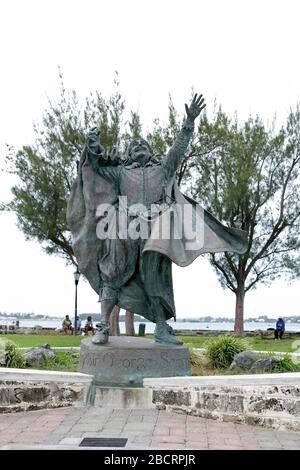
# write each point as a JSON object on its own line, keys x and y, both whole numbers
{"x": 177, "y": 151}
{"x": 102, "y": 164}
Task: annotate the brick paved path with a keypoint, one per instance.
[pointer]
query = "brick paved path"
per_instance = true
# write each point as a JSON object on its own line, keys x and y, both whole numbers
{"x": 143, "y": 428}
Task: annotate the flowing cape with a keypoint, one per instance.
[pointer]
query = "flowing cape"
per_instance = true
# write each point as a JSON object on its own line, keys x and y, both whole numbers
{"x": 194, "y": 231}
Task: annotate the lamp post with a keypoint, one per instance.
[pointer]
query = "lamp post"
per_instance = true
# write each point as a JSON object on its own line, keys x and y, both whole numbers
{"x": 76, "y": 279}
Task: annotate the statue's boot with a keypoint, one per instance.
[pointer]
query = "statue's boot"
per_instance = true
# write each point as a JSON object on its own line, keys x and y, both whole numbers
{"x": 101, "y": 335}
{"x": 164, "y": 334}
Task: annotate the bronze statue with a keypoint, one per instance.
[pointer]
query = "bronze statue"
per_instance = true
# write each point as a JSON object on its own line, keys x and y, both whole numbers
{"x": 115, "y": 213}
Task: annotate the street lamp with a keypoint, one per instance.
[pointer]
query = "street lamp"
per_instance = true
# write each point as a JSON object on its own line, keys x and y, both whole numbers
{"x": 76, "y": 279}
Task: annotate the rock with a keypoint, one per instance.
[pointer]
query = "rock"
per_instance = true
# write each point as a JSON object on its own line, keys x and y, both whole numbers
{"x": 244, "y": 360}
{"x": 46, "y": 346}
{"x": 50, "y": 354}
{"x": 263, "y": 364}
{"x": 36, "y": 356}
{"x": 2, "y": 356}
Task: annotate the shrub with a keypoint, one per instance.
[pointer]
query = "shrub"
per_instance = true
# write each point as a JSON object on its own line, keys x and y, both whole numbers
{"x": 285, "y": 364}
{"x": 221, "y": 350}
{"x": 13, "y": 357}
{"x": 195, "y": 357}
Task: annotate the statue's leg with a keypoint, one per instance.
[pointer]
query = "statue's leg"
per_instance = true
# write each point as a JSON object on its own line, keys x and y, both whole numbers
{"x": 107, "y": 306}
{"x": 108, "y": 301}
{"x": 163, "y": 331}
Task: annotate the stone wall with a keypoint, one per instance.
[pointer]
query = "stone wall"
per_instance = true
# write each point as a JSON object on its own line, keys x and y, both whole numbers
{"x": 259, "y": 333}
{"x": 271, "y": 400}
{"x": 22, "y": 390}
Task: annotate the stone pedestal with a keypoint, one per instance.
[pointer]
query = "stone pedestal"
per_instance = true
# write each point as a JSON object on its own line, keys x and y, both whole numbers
{"x": 124, "y": 398}
{"x": 126, "y": 361}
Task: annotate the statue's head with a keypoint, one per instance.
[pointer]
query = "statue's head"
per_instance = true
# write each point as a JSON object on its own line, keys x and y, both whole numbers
{"x": 139, "y": 151}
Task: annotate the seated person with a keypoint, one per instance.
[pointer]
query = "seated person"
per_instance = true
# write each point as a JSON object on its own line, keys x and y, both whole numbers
{"x": 88, "y": 327}
{"x": 78, "y": 326}
{"x": 67, "y": 325}
{"x": 280, "y": 327}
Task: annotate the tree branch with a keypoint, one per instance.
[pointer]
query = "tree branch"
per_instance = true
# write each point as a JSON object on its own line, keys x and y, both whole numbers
{"x": 230, "y": 285}
{"x": 280, "y": 224}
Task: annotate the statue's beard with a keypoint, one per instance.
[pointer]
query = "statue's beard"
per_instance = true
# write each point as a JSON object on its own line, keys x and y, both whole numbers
{"x": 141, "y": 158}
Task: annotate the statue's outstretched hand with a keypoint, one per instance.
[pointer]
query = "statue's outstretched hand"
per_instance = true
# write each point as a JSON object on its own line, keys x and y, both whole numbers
{"x": 93, "y": 143}
{"x": 195, "y": 107}
{"x": 93, "y": 131}
{"x": 98, "y": 153}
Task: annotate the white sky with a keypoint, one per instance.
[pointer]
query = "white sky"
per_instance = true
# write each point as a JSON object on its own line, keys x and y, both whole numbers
{"x": 243, "y": 53}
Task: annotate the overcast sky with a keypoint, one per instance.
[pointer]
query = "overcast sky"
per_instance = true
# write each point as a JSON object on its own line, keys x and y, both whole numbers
{"x": 244, "y": 54}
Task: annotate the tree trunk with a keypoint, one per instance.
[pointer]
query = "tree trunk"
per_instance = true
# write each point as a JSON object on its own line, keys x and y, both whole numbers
{"x": 129, "y": 323}
{"x": 239, "y": 310}
{"x": 114, "y": 329}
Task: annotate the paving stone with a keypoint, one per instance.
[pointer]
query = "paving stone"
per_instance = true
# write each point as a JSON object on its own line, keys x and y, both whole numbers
{"x": 97, "y": 410}
{"x": 145, "y": 443}
{"x": 180, "y": 431}
{"x": 74, "y": 434}
{"x": 149, "y": 419}
{"x": 196, "y": 436}
{"x": 174, "y": 439}
{"x": 144, "y": 412}
{"x": 167, "y": 446}
{"x": 119, "y": 412}
{"x": 93, "y": 434}
{"x": 30, "y": 437}
{"x": 117, "y": 422}
{"x": 4, "y": 426}
{"x": 148, "y": 428}
{"x": 78, "y": 411}
{"x": 106, "y": 433}
{"x": 53, "y": 439}
{"x": 136, "y": 427}
{"x": 10, "y": 434}
{"x": 62, "y": 429}
{"x": 233, "y": 442}
{"x": 196, "y": 419}
{"x": 201, "y": 440}
{"x": 74, "y": 441}
{"x": 135, "y": 435}
{"x": 135, "y": 417}
{"x": 162, "y": 430}
{"x": 112, "y": 427}
{"x": 85, "y": 428}
{"x": 195, "y": 446}
{"x": 71, "y": 420}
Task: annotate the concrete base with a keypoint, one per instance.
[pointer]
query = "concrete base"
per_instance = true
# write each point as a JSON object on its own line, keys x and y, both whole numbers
{"x": 123, "y": 398}
{"x": 126, "y": 361}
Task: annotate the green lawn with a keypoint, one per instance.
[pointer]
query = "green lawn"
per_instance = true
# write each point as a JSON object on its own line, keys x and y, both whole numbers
{"x": 285, "y": 345}
{"x": 27, "y": 341}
